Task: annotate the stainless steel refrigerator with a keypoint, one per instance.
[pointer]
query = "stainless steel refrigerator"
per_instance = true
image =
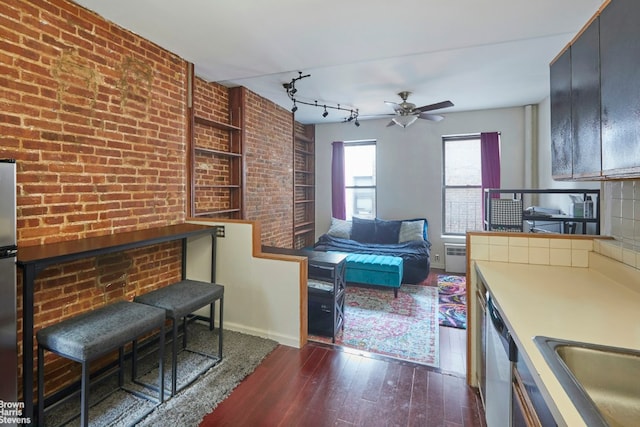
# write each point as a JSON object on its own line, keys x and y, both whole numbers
{"x": 8, "y": 252}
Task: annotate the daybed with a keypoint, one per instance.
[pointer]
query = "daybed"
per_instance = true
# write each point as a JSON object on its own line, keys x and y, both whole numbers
{"x": 381, "y": 252}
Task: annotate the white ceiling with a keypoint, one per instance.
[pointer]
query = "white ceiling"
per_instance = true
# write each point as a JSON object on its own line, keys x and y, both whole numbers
{"x": 478, "y": 54}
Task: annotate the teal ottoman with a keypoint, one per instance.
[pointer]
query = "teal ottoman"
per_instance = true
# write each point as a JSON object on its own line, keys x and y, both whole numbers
{"x": 380, "y": 270}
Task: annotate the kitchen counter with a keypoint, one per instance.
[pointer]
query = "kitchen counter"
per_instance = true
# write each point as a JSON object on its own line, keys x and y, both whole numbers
{"x": 596, "y": 305}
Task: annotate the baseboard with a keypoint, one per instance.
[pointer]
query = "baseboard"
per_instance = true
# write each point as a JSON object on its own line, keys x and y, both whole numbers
{"x": 287, "y": 340}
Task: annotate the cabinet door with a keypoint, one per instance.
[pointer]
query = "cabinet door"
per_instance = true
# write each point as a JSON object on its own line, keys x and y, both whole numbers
{"x": 620, "y": 74}
{"x": 585, "y": 103}
{"x": 561, "y": 151}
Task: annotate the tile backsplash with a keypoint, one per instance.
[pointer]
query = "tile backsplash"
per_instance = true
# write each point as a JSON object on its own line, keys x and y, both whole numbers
{"x": 621, "y": 220}
{"x": 622, "y": 212}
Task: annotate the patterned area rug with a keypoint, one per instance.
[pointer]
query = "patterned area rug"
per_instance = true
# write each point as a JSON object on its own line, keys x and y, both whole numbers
{"x": 452, "y": 301}
{"x": 405, "y": 327}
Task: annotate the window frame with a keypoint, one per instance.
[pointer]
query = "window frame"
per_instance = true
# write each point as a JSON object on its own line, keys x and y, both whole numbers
{"x": 366, "y": 142}
{"x": 444, "y": 187}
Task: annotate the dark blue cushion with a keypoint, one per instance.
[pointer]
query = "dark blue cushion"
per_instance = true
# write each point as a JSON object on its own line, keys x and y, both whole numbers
{"x": 387, "y": 231}
{"x": 363, "y": 230}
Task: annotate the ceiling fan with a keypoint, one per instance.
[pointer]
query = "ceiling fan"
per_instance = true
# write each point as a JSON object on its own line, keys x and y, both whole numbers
{"x": 407, "y": 112}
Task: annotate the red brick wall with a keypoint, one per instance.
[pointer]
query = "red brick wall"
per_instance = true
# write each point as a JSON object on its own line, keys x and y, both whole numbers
{"x": 269, "y": 169}
{"x": 95, "y": 117}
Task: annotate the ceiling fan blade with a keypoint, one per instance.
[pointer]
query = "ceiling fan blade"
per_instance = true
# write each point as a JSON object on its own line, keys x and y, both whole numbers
{"x": 432, "y": 117}
{"x": 437, "y": 106}
{"x": 396, "y": 107}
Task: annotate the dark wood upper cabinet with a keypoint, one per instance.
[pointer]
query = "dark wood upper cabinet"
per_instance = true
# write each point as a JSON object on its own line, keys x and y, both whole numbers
{"x": 620, "y": 75}
{"x": 560, "y": 83}
{"x": 585, "y": 103}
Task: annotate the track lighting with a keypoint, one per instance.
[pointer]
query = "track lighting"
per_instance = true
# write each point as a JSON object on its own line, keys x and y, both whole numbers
{"x": 291, "y": 90}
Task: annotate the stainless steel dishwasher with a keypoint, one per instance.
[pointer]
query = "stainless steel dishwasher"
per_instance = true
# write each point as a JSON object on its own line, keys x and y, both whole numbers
{"x": 501, "y": 353}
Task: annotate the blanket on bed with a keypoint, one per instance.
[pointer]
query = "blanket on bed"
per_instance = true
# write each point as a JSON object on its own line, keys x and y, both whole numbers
{"x": 414, "y": 253}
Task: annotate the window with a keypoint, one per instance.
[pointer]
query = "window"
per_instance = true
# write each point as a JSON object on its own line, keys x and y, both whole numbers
{"x": 462, "y": 184}
{"x": 360, "y": 178}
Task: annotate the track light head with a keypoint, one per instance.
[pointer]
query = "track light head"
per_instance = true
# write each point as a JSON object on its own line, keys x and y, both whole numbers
{"x": 357, "y": 123}
{"x": 291, "y": 90}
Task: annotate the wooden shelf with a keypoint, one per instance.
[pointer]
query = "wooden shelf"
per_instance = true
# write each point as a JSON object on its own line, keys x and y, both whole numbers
{"x": 304, "y": 224}
{"x": 217, "y": 186}
{"x": 303, "y": 231}
{"x": 305, "y": 152}
{"x": 215, "y": 124}
{"x": 216, "y": 152}
{"x": 217, "y": 212}
{"x": 305, "y": 138}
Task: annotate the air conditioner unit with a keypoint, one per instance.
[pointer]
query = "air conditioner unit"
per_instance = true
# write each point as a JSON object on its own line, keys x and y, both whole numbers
{"x": 455, "y": 258}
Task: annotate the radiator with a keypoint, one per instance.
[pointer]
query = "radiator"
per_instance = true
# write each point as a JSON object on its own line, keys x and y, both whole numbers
{"x": 455, "y": 257}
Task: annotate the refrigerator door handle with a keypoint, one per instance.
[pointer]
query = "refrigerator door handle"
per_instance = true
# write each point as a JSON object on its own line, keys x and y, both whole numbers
{"x": 8, "y": 251}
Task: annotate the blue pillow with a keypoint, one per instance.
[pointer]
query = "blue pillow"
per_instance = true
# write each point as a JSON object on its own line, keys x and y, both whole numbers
{"x": 387, "y": 231}
{"x": 363, "y": 230}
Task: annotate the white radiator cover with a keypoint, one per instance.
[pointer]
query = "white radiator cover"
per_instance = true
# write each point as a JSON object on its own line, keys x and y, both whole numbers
{"x": 455, "y": 257}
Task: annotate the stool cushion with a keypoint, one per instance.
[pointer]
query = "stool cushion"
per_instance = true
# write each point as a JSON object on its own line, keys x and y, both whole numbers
{"x": 182, "y": 298}
{"x": 95, "y": 333}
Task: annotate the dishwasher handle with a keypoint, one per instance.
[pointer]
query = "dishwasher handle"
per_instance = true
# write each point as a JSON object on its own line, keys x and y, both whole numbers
{"x": 496, "y": 319}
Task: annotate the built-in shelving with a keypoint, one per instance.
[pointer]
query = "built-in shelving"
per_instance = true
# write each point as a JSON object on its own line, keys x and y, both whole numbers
{"x": 304, "y": 186}
{"x": 216, "y": 162}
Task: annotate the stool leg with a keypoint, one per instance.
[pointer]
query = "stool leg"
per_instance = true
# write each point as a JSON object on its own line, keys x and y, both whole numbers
{"x": 120, "y": 366}
{"x": 212, "y": 315}
{"x": 161, "y": 364}
{"x": 134, "y": 360}
{"x": 184, "y": 332}
{"x": 220, "y": 328}
{"x": 174, "y": 358}
{"x": 40, "y": 386}
{"x": 84, "y": 395}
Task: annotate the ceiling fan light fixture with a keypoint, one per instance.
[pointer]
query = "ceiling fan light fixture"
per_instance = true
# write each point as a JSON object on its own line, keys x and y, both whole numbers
{"x": 405, "y": 121}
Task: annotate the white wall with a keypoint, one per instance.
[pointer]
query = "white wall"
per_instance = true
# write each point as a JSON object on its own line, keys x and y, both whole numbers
{"x": 409, "y": 163}
{"x": 261, "y": 296}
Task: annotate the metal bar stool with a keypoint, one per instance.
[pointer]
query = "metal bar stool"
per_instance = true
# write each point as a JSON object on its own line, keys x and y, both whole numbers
{"x": 179, "y": 300}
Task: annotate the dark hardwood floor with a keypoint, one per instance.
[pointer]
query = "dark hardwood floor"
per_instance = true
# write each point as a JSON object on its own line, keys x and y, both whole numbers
{"x": 323, "y": 385}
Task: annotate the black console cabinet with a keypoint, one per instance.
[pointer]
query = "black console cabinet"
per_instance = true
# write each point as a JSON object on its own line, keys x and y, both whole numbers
{"x": 325, "y": 287}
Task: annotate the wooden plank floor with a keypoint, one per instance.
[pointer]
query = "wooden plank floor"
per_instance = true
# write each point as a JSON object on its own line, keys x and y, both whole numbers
{"x": 320, "y": 385}
{"x": 323, "y": 385}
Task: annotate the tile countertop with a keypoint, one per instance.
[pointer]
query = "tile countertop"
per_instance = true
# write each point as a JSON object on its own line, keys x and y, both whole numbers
{"x": 596, "y": 305}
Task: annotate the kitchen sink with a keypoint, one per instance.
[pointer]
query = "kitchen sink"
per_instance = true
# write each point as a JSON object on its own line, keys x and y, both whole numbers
{"x": 603, "y": 382}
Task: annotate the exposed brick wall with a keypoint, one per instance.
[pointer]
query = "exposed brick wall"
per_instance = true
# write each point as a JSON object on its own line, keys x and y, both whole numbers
{"x": 269, "y": 169}
{"x": 96, "y": 118}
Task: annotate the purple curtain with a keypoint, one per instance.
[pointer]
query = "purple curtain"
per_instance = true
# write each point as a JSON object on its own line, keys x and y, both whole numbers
{"x": 338, "y": 196}
{"x": 490, "y": 161}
